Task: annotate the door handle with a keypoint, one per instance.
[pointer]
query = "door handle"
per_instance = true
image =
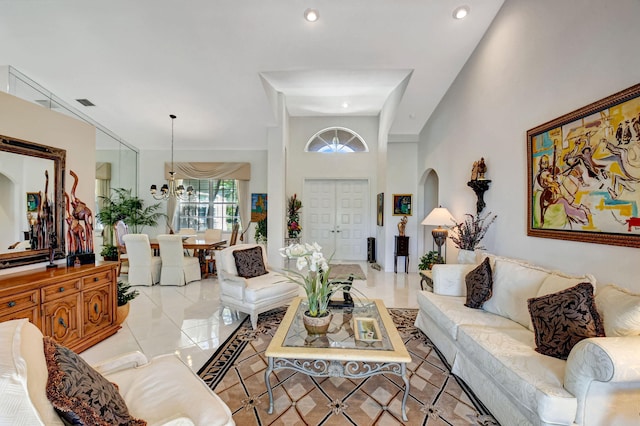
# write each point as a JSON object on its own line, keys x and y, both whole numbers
{"x": 62, "y": 323}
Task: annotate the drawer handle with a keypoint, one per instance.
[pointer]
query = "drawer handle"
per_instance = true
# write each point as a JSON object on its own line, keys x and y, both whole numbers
{"x": 62, "y": 323}
{"x": 12, "y": 304}
{"x": 95, "y": 307}
{"x": 95, "y": 279}
{"x": 61, "y": 289}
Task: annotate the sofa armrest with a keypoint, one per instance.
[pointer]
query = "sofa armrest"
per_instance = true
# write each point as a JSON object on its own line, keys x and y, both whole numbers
{"x": 612, "y": 360}
{"x": 122, "y": 362}
{"x": 448, "y": 279}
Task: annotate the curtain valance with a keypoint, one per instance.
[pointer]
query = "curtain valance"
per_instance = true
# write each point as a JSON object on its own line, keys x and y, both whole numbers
{"x": 196, "y": 170}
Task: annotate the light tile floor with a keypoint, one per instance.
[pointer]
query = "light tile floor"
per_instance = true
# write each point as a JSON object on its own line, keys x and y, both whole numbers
{"x": 187, "y": 320}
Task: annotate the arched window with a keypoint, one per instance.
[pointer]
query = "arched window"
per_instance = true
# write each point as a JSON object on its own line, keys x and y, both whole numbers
{"x": 336, "y": 139}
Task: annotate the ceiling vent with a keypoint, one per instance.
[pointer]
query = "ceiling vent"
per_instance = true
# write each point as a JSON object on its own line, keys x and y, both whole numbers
{"x": 86, "y": 102}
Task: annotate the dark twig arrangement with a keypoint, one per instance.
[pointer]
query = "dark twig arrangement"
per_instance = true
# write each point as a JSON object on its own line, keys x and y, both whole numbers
{"x": 468, "y": 233}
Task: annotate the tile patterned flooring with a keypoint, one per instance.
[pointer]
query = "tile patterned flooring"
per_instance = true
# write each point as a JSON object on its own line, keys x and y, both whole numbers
{"x": 187, "y": 320}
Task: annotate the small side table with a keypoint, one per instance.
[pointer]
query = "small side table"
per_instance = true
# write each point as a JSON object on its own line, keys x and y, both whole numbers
{"x": 402, "y": 249}
{"x": 426, "y": 278}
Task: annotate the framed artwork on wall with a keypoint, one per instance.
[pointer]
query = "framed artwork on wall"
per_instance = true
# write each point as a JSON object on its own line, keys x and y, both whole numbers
{"x": 402, "y": 204}
{"x": 583, "y": 173}
{"x": 380, "y": 211}
{"x": 258, "y": 207}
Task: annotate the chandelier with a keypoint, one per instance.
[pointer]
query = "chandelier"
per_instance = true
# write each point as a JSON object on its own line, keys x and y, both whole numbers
{"x": 171, "y": 190}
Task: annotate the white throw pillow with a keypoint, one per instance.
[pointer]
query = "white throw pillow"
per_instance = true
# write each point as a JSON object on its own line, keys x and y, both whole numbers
{"x": 514, "y": 283}
{"x": 557, "y": 281}
{"x": 620, "y": 311}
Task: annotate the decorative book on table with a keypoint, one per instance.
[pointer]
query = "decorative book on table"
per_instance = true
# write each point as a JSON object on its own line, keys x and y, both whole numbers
{"x": 366, "y": 329}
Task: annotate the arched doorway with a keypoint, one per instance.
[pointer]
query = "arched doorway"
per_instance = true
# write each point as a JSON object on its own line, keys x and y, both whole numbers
{"x": 428, "y": 188}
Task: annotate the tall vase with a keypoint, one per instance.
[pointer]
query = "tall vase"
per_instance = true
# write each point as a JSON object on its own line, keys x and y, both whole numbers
{"x": 316, "y": 325}
{"x": 466, "y": 256}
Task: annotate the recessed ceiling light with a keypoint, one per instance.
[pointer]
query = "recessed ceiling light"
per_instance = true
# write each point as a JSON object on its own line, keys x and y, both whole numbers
{"x": 345, "y": 105}
{"x": 460, "y": 12}
{"x": 311, "y": 15}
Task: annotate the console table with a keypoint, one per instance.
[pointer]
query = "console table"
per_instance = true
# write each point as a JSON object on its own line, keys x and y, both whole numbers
{"x": 74, "y": 305}
{"x": 402, "y": 249}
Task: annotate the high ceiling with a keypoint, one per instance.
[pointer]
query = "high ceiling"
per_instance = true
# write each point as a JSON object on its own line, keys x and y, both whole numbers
{"x": 212, "y": 62}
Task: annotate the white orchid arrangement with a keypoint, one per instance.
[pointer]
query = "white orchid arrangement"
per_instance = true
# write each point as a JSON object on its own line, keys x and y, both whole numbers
{"x": 312, "y": 275}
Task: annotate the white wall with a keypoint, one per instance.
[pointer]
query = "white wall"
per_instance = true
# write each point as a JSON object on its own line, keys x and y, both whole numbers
{"x": 538, "y": 61}
{"x": 21, "y": 119}
{"x": 401, "y": 179}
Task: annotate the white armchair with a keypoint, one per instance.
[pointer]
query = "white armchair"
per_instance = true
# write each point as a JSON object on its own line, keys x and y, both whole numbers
{"x": 161, "y": 391}
{"x": 251, "y": 295}
{"x": 177, "y": 269}
{"x": 144, "y": 268}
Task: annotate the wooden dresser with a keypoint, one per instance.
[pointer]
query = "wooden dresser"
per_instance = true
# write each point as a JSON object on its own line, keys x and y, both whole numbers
{"x": 74, "y": 305}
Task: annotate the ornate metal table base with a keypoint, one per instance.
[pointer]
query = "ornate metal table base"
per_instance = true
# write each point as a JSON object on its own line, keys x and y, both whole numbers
{"x": 348, "y": 369}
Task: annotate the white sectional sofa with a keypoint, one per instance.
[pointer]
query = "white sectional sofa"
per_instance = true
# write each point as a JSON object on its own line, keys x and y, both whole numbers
{"x": 493, "y": 348}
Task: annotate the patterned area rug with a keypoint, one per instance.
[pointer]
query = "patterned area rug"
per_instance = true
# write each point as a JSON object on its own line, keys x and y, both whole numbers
{"x": 236, "y": 374}
{"x": 343, "y": 270}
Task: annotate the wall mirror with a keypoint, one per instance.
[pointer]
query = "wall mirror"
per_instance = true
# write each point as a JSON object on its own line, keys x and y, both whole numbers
{"x": 32, "y": 207}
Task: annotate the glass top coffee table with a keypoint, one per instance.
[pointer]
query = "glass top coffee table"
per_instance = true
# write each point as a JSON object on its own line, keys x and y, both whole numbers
{"x": 378, "y": 350}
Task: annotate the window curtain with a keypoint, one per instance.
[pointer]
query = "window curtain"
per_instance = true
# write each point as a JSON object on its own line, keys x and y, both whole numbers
{"x": 202, "y": 170}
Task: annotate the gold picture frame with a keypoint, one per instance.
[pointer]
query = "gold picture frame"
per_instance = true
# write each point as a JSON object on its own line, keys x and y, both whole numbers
{"x": 583, "y": 173}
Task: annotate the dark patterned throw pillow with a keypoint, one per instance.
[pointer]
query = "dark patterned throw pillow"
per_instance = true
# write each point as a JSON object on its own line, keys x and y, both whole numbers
{"x": 249, "y": 262}
{"x": 479, "y": 285}
{"x": 80, "y": 394}
{"x": 562, "y": 319}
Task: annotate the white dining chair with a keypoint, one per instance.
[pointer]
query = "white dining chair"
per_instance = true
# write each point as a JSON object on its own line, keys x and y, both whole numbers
{"x": 177, "y": 269}
{"x": 144, "y": 268}
{"x": 191, "y": 232}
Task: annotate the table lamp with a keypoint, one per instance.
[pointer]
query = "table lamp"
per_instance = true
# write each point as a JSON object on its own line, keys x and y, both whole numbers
{"x": 438, "y": 218}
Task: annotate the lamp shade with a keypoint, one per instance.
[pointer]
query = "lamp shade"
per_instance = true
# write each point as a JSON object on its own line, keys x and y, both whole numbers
{"x": 438, "y": 217}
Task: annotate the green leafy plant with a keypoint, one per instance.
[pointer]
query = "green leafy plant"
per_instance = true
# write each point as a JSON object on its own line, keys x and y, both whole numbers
{"x": 109, "y": 252}
{"x": 468, "y": 233}
{"x": 261, "y": 231}
{"x": 293, "y": 220}
{"x": 125, "y": 206}
{"x": 429, "y": 259}
{"x": 313, "y": 276}
{"x": 125, "y": 294}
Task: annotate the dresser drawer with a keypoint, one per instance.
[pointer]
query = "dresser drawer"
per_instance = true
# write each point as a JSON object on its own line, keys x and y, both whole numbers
{"x": 59, "y": 290}
{"x": 97, "y": 280}
{"x": 18, "y": 302}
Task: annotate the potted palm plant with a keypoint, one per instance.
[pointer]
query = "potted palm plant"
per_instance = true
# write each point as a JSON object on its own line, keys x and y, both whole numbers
{"x": 125, "y": 206}
{"x": 125, "y": 295}
{"x": 468, "y": 234}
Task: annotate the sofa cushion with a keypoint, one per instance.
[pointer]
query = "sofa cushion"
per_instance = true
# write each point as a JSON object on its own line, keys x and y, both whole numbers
{"x": 249, "y": 262}
{"x": 479, "y": 282}
{"x": 514, "y": 282}
{"x": 560, "y": 320}
{"x": 529, "y": 380}
{"x": 79, "y": 393}
{"x": 16, "y": 407}
{"x": 619, "y": 310}
{"x": 150, "y": 392}
{"x": 557, "y": 281}
{"x": 449, "y": 313}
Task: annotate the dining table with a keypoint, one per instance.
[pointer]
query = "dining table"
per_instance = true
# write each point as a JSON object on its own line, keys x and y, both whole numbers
{"x": 200, "y": 245}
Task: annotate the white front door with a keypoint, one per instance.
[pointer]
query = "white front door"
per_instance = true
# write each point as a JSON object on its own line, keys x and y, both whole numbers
{"x": 336, "y": 216}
